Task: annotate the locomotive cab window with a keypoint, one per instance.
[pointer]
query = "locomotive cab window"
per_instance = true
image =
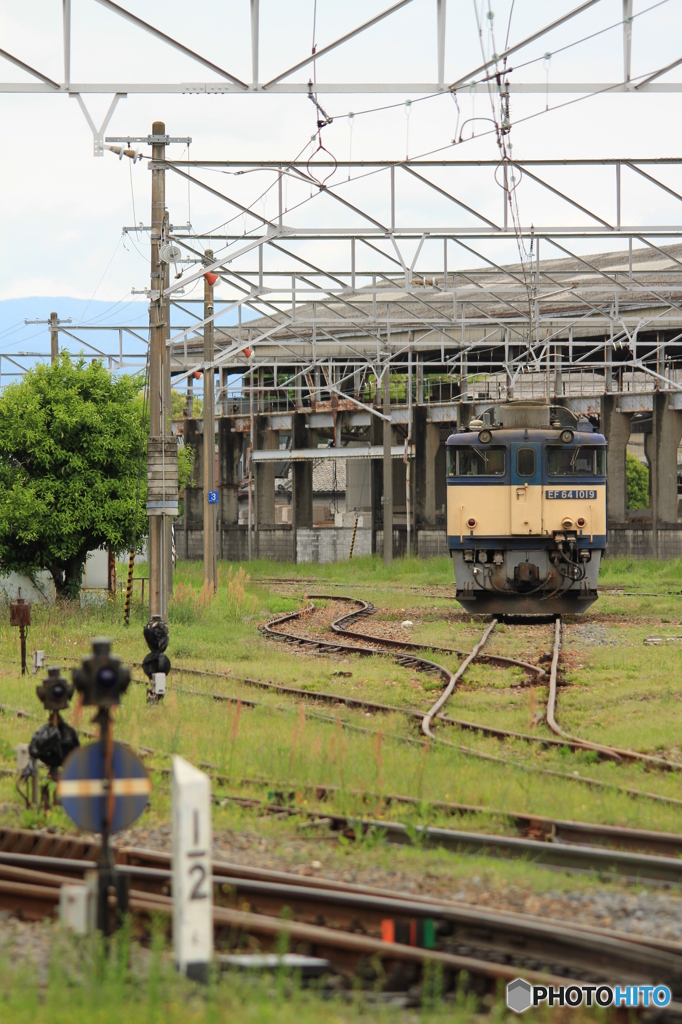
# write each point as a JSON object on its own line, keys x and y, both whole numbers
{"x": 583, "y": 460}
{"x": 476, "y": 461}
{"x": 525, "y": 462}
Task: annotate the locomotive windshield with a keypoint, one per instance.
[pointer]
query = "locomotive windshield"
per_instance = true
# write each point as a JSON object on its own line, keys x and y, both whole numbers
{"x": 476, "y": 461}
{"x": 584, "y": 460}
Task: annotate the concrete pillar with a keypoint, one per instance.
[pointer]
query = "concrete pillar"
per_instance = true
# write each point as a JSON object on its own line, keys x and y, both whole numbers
{"x": 661, "y": 451}
{"x": 440, "y": 482}
{"x": 301, "y": 478}
{"x": 428, "y": 495}
{"x": 615, "y": 426}
{"x": 431, "y": 453}
{"x": 376, "y": 436}
{"x": 399, "y": 488}
{"x": 387, "y": 471}
{"x": 465, "y": 413}
{"x": 419, "y": 467}
{"x": 266, "y": 440}
{"x": 229, "y": 452}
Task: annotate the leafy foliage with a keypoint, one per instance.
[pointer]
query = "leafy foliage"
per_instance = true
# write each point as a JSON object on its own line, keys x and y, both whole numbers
{"x": 637, "y": 482}
{"x": 185, "y": 466}
{"x": 71, "y": 437}
{"x": 179, "y": 404}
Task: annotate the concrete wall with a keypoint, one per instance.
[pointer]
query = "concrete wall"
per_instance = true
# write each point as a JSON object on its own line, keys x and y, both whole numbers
{"x": 13, "y": 582}
{"x": 432, "y": 543}
{"x": 322, "y": 545}
{"x": 638, "y": 542}
{"x": 235, "y": 544}
{"x": 325, "y": 544}
{"x": 275, "y": 543}
{"x": 315, "y": 544}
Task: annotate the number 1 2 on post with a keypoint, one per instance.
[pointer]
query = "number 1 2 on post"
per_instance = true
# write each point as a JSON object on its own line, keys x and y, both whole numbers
{"x": 192, "y": 879}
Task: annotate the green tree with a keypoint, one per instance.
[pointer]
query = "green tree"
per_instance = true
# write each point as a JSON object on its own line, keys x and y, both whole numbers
{"x": 179, "y": 404}
{"x": 71, "y": 437}
{"x": 637, "y": 482}
{"x": 185, "y": 466}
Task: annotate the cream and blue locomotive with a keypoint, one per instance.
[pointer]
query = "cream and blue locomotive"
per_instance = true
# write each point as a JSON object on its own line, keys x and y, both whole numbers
{"x": 526, "y": 510}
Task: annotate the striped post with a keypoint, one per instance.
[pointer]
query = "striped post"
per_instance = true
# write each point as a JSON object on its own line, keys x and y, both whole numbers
{"x": 352, "y": 543}
{"x": 129, "y": 589}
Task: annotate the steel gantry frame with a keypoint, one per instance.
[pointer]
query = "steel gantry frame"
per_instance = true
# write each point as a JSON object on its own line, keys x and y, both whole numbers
{"x": 293, "y": 79}
{"x": 364, "y": 309}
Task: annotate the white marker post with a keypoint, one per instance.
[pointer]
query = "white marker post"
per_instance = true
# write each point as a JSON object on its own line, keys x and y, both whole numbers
{"x": 192, "y": 877}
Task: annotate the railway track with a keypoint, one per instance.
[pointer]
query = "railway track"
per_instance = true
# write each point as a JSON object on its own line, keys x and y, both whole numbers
{"x": 571, "y": 842}
{"x": 348, "y": 923}
{"x": 435, "y": 590}
{"x": 405, "y": 653}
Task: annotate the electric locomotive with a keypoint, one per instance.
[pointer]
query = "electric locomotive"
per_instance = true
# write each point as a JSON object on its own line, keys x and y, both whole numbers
{"x": 526, "y": 510}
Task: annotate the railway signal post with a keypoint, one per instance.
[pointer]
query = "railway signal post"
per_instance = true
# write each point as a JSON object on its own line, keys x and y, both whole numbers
{"x": 53, "y": 742}
{"x": 20, "y": 615}
{"x": 104, "y": 787}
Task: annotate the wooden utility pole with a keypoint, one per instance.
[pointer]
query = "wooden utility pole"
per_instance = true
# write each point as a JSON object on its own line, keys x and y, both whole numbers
{"x": 388, "y": 469}
{"x": 167, "y": 403}
{"x": 158, "y": 599}
{"x": 54, "y": 338}
{"x": 209, "y": 433}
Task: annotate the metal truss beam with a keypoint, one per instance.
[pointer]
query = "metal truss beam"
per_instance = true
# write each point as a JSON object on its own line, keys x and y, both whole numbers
{"x": 335, "y": 88}
{"x": 158, "y": 34}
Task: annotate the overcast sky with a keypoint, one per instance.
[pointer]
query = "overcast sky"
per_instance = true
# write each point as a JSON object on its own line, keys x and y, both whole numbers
{"x": 63, "y": 209}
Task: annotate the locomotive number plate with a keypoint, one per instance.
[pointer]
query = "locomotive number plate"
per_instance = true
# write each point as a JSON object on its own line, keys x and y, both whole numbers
{"x": 574, "y": 493}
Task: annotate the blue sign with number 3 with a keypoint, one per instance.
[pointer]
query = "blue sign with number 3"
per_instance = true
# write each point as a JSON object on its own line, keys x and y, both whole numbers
{"x": 213, "y": 497}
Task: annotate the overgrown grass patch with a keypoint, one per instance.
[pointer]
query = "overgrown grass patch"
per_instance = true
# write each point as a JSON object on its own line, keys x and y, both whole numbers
{"x": 614, "y": 690}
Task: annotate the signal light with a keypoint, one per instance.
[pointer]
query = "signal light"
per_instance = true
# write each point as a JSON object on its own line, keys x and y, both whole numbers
{"x": 54, "y": 692}
{"x": 101, "y": 679}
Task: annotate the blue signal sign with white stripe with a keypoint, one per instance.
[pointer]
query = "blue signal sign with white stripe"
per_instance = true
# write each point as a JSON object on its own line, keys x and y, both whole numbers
{"x": 87, "y": 797}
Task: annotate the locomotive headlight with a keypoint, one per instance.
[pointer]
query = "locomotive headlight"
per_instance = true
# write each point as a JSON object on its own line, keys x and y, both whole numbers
{"x": 485, "y": 436}
{"x": 566, "y": 436}
{"x": 567, "y": 523}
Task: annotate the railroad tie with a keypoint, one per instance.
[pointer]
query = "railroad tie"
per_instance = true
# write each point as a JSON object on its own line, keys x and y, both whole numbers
{"x": 420, "y": 932}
